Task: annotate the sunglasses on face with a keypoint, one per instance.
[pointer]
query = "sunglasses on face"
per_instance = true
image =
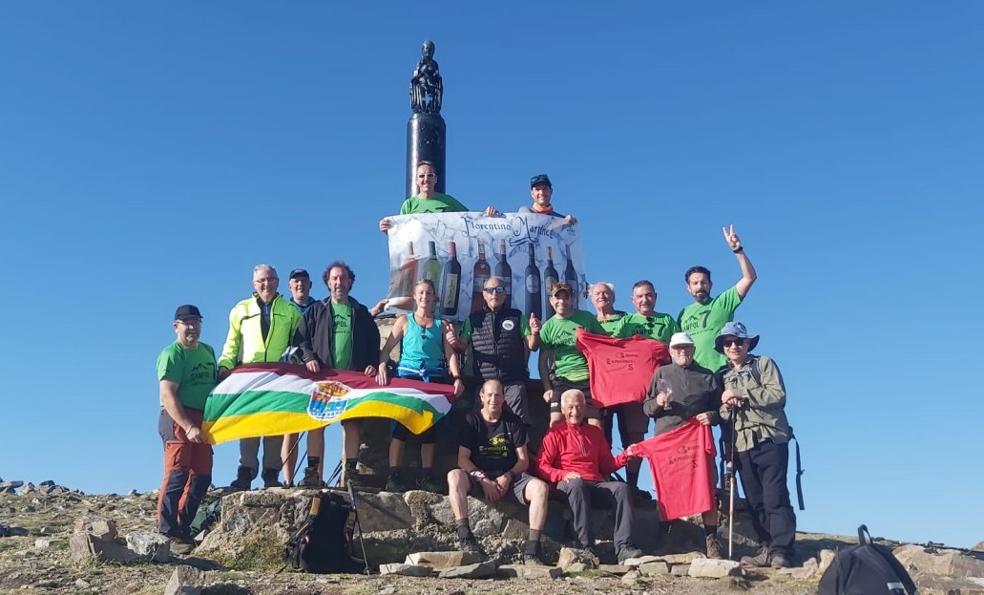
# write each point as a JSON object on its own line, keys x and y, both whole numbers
{"x": 733, "y": 342}
{"x": 499, "y": 289}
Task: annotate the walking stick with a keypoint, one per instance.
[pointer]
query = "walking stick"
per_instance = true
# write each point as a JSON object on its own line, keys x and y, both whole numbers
{"x": 358, "y": 525}
{"x": 731, "y": 486}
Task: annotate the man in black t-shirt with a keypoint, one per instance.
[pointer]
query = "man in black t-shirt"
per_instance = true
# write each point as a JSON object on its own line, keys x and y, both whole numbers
{"x": 492, "y": 461}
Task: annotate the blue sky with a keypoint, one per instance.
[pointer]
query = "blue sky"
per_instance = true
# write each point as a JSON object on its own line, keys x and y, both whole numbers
{"x": 150, "y": 155}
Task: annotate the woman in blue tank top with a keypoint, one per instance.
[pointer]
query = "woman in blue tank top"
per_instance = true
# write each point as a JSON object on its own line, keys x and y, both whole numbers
{"x": 425, "y": 354}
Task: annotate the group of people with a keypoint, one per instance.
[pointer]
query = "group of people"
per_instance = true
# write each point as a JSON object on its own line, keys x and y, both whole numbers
{"x": 712, "y": 379}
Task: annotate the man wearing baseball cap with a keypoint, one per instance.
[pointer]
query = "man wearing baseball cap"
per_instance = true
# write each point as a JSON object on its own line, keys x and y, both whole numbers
{"x": 682, "y": 391}
{"x": 541, "y": 191}
{"x": 557, "y": 339}
{"x": 754, "y": 394}
{"x": 299, "y": 283}
{"x": 186, "y": 370}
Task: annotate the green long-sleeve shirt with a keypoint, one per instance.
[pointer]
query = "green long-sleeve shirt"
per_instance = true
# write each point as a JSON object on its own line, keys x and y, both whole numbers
{"x": 763, "y": 415}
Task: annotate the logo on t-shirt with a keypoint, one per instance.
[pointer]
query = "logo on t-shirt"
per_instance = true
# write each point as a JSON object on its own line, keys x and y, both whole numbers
{"x": 508, "y": 325}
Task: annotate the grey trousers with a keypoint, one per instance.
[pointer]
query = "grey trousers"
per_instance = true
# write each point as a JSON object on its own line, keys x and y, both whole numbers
{"x": 583, "y": 495}
{"x": 249, "y": 448}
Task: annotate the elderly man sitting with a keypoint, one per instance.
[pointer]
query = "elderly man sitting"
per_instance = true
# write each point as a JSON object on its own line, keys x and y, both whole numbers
{"x": 576, "y": 458}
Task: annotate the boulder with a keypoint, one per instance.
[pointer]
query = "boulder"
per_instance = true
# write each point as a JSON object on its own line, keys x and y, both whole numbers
{"x": 680, "y": 570}
{"x": 826, "y": 559}
{"x": 618, "y": 569}
{"x": 685, "y": 558}
{"x": 406, "y": 570}
{"x": 185, "y": 580}
{"x": 707, "y": 568}
{"x": 480, "y": 570}
{"x": 942, "y": 562}
{"x": 442, "y": 560}
{"x": 86, "y": 547}
{"x": 151, "y": 546}
{"x": 633, "y": 562}
{"x": 384, "y": 511}
{"x": 807, "y": 570}
{"x": 96, "y": 526}
{"x": 570, "y": 556}
{"x": 529, "y": 571}
{"x": 630, "y": 578}
{"x": 654, "y": 567}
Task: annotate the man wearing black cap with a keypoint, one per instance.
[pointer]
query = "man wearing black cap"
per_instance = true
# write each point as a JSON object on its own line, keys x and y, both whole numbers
{"x": 300, "y": 289}
{"x": 541, "y": 191}
{"x": 186, "y": 370}
{"x": 337, "y": 333}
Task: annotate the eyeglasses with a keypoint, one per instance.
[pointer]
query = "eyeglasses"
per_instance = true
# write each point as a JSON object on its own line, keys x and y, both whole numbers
{"x": 497, "y": 289}
{"x": 733, "y": 342}
{"x": 426, "y": 176}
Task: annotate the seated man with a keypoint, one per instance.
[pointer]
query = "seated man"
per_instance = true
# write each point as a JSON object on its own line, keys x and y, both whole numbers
{"x": 493, "y": 461}
{"x": 576, "y": 458}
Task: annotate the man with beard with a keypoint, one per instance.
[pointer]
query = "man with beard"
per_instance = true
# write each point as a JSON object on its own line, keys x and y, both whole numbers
{"x": 337, "y": 333}
{"x": 704, "y": 318}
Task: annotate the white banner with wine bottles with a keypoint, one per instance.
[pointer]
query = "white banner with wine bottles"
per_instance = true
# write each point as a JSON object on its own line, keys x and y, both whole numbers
{"x": 459, "y": 251}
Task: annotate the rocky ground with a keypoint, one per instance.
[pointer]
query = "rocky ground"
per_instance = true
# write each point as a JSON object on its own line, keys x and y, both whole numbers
{"x": 46, "y": 527}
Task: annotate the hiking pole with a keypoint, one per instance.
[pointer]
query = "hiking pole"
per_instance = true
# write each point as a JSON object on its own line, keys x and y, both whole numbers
{"x": 358, "y": 525}
{"x": 731, "y": 486}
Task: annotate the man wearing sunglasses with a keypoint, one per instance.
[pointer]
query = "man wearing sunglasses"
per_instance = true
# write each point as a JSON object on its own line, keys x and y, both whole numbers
{"x": 703, "y": 319}
{"x": 754, "y": 394}
{"x": 501, "y": 340}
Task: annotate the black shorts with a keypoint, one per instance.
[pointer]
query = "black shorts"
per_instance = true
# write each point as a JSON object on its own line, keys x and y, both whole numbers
{"x": 516, "y": 488}
{"x": 561, "y": 385}
{"x": 632, "y": 421}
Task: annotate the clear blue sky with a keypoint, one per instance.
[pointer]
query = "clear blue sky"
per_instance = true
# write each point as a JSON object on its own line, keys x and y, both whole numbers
{"x": 150, "y": 155}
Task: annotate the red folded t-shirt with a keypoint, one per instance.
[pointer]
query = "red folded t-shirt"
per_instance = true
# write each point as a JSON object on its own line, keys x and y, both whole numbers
{"x": 682, "y": 462}
{"x": 620, "y": 369}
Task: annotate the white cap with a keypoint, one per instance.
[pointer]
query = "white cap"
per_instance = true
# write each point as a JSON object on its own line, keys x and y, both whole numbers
{"x": 680, "y": 339}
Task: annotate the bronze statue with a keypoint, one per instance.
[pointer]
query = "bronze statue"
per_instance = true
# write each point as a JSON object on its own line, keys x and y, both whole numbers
{"x": 426, "y": 86}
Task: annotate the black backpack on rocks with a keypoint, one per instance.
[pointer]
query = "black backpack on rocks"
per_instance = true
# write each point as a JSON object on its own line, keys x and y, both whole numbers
{"x": 321, "y": 544}
{"x": 866, "y": 569}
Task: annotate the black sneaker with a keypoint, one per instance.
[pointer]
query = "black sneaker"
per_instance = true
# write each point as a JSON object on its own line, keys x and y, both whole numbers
{"x": 270, "y": 478}
{"x": 429, "y": 484}
{"x": 394, "y": 483}
{"x": 759, "y": 560}
{"x": 311, "y": 478}
{"x": 628, "y": 552}
{"x": 470, "y": 545}
{"x": 533, "y": 554}
{"x": 244, "y": 477}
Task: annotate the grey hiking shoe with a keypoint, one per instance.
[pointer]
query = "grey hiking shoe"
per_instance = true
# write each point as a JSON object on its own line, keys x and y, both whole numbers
{"x": 244, "y": 477}
{"x": 311, "y": 478}
{"x": 628, "y": 552}
{"x": 779, "y": 560}
{"x": 713, "y": 547}
{"x": 271, "y": 478}
{"x": 759, "y": 560}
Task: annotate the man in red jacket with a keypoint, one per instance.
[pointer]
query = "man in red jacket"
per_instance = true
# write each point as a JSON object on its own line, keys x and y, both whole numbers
{"x": 576, "y": 458}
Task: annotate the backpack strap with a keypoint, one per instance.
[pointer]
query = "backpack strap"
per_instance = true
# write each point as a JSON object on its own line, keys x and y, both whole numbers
{"x": 753, "y": 367}
{"x": 799, "y": 471}
{"x": 864, "y": 537}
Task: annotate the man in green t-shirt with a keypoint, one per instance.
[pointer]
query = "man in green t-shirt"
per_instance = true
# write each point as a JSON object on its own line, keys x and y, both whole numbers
{"x": 704, "y": 318}
{"x": 186, "y": 371}
{"x": 337, "y": 333}
{"x": 557, "y": 340}
{"x": 428, "y": 199}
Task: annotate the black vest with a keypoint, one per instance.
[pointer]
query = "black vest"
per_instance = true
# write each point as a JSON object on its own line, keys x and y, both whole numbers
{"x": 498, "y": 345}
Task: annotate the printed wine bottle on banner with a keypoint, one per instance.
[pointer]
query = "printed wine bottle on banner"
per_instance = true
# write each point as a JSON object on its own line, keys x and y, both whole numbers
{"x": 533, "y": 286}
{"x": 480, "y": 275}
{"x": 408, "y": 273}
{"x": 504, "y": 272}
{"x": 451, "y": 282}
{"x": 570, "y": 277}
{"x": 550, "y": 277}
{"x": 432, "y": 272}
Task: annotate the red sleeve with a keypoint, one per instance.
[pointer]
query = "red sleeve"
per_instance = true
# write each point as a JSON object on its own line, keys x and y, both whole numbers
{"x": 548, "y": 458}
{"x": 607, "y": 464}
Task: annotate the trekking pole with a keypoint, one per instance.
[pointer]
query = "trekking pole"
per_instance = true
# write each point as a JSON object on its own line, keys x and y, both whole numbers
{"x": 731, "y": 486}
{"x": 358, "y": 525}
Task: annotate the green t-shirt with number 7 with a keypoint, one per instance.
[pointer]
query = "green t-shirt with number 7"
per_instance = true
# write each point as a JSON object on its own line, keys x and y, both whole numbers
{"x": 704, "y": 321}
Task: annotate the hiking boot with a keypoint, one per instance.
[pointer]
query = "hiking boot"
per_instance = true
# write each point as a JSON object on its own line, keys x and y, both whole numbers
{"x": 533, "y": 554}
{"x": 628, "y": 552}
{"x": 182, "y": 545}
{"x": 394, "y": 483}
{"x": 244, "y": 477}
{"x": 311, "y": 478}
{"x": 759, "y": 560}
{"x": 470, "y": 545}
{"x": 429, "y": 484}
{"x": 270, "y": 478}
{"x": 779, "y": 560}
{"x": 713, "y": 547}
